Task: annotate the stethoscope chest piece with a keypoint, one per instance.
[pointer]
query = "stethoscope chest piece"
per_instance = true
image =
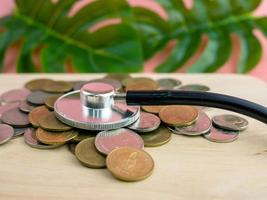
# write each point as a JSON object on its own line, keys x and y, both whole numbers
{"x": 95, "y": 108}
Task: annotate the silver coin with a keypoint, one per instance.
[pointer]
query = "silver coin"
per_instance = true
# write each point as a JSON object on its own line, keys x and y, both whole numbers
{"x": 8, "y": 106}
{"x": 230, "y": 122}
{"x": 201, "y": 126}
{"x": 15, "y": 118}
{"x": 15, "y": 95}
{"x": 38, "y": 97}
{"x": 147, "y": 122}
{"x": 19, "y": 131}
{"x": 6, "y": 133}
{"x": 26, "y": 107}
{"x": 194, "y": 87}
{"x": 168, "y": 83}
{"x": 221, "y": 136}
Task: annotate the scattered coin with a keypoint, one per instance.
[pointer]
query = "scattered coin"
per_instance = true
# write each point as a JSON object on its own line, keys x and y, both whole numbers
{"x": 230, "y": 122}
{"x": 178, "y": 115}
{"x": 49, "y": 122}
{"x": 26, "y": 107}
{"x": 50, "y": 101}
{"x": 168, "y": 83}
{"x": 19, "y": 131}
{"x": 36, "y": 113}
{"x": 6, "y": 133}
{"x": 194, "y": 87}
{"x": 57, "y": 86}
{"x": 201, "y": 126}
{"x": 142, "y": 85}
{"x": 221, "y": 136}
{"x": 152, "y": 109}
{"x": 147, "y": 122}
{"x": 31, "y": 140}
{"x": 54, "y": 138}
{"x": 7, "y": 107}
{"x": 15, "y": 118}
{"x": 88, "y": 155}
{"x": 118, "y": 76}
{"x": 38, "y": 97}
{"x": 14, "y": 95}
{"x": 37, "y": 84}
{"x": 157, "y": 138}
{"x": 106, "y": 141}
{"x": 130, "y": 164}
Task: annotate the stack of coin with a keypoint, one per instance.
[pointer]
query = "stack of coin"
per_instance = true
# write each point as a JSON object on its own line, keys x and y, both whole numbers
{"x": 30, "y": 111}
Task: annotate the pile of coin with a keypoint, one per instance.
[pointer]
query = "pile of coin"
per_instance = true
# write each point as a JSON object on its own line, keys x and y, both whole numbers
{"x": 29, "y": 111}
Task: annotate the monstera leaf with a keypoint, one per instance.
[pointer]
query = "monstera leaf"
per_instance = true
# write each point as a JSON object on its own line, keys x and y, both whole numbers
{"x": 139, "y": 35}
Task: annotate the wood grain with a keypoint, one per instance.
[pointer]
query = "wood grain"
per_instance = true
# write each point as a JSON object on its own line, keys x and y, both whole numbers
{"x": 185, "y": 168}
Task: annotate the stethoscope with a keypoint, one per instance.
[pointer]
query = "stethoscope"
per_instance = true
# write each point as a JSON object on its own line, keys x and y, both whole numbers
{"x": 97, "y": 106}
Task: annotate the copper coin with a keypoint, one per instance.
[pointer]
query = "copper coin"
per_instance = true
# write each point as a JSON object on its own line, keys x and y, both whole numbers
{"x": 15, "y": 118}
{"x": 7, "y": 107}
{"x": 88, "y": 155}
{"x": 19, "y": 131}
{"x": 152, "y": 109}
{"x": 6, "y": 133}
{"x": 36, "y": 84}
{"x": 36, "y": 113}
{"x": 178, "y": 115}
{"x": 118, "y": 76}
{"x": 130, "y": 164}
{"x": 168, "y": 83}
{"x": 142, "y": 85}
{"x": 14, "y": 95}
{"x": 158, "y": 137}
{"x": 49, "y": 122}
{"x": 50, "y": 101}
{"x": 31, "y": 140}
{"x": 194, "y": 87}
{"x": 221, "y": 136}
{"x": 230, "y": 122}
{"x": 53, "y": 138}
{"x": 147, "y": 122}
{"x": 26, "y": 107}
{"x": 57, "y": 86}
{"x": 201, "y": 126}
{"x": 106, "y": 141}
{"x": 38, "y": 97}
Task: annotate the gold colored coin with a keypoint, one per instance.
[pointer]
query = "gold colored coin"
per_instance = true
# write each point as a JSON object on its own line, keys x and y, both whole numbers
{"x": 118, "y": 76}
{"x": 49, "y": 122}
{"x": 142, "y": 85}
{"x": 178, "y": 115}
{"x": 157, "y": 138}
{"x": 130, "y": 164}
{"x": 50, "y": 101}
{"x": 152, "y": 109}
{"x": 53, "y": 138}
{"x": 129, "y": 80}
{"x": 88, "y": 155}
{"x": 35, "y": 114}
{"x": 37, "y": 84}
{"x": 58, "y": 86}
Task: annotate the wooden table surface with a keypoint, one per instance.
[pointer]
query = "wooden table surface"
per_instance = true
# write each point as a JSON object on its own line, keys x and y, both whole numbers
{"x": 185, "y": 168}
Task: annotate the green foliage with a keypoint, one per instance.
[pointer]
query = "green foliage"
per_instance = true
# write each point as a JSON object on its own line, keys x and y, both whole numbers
{"x": 123, "y": 47}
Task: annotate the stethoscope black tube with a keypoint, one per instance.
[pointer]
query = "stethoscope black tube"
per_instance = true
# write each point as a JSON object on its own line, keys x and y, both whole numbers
{"x": 208, "y": 99}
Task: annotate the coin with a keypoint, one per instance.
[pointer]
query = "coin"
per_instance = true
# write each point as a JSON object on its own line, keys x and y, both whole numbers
{"x": 130, "y": 164}
{"x": 57, "y": 86}
{"x": 146, "y": 122}
{"x": 36, "y": 84}
{"x": 130, "y": 80}
{"x": 152, "y": 109}
{"x": 88, "y": 155}
{"x": 157, "y": 138}
{"x": 7, "y": 107}
{"x": 142, "y": 85}
{"x": 49, "y": 122}
{"x": 168, "y": 83}
{"x": 14, "y": 95}
{"x": 19, "y": 131}
{"x": 221, "y": 136}
{"x": 31, "y": 140}
{"x": 118, "y": 76}
{"x": 6, "y": 133}
{"x": 230, "y": 122}
{"x": 35, "y": 114}
{"x": 194, "y": 87}
{"x": 26, "y": 107}
{"x": 106, "y": 141}
{"x": 50, "y": 101}
{"x": 71, "y": 147}
{"x": 15, "y": 118}
{"x": 178, "y": 115}
{"x": 201, "y": 126}
{"x": 38, "y": 97}
{"x": 54, "y": 138}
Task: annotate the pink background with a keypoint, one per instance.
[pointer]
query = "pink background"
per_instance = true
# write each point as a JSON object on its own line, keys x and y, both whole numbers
{"x": 260, "y": 71}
